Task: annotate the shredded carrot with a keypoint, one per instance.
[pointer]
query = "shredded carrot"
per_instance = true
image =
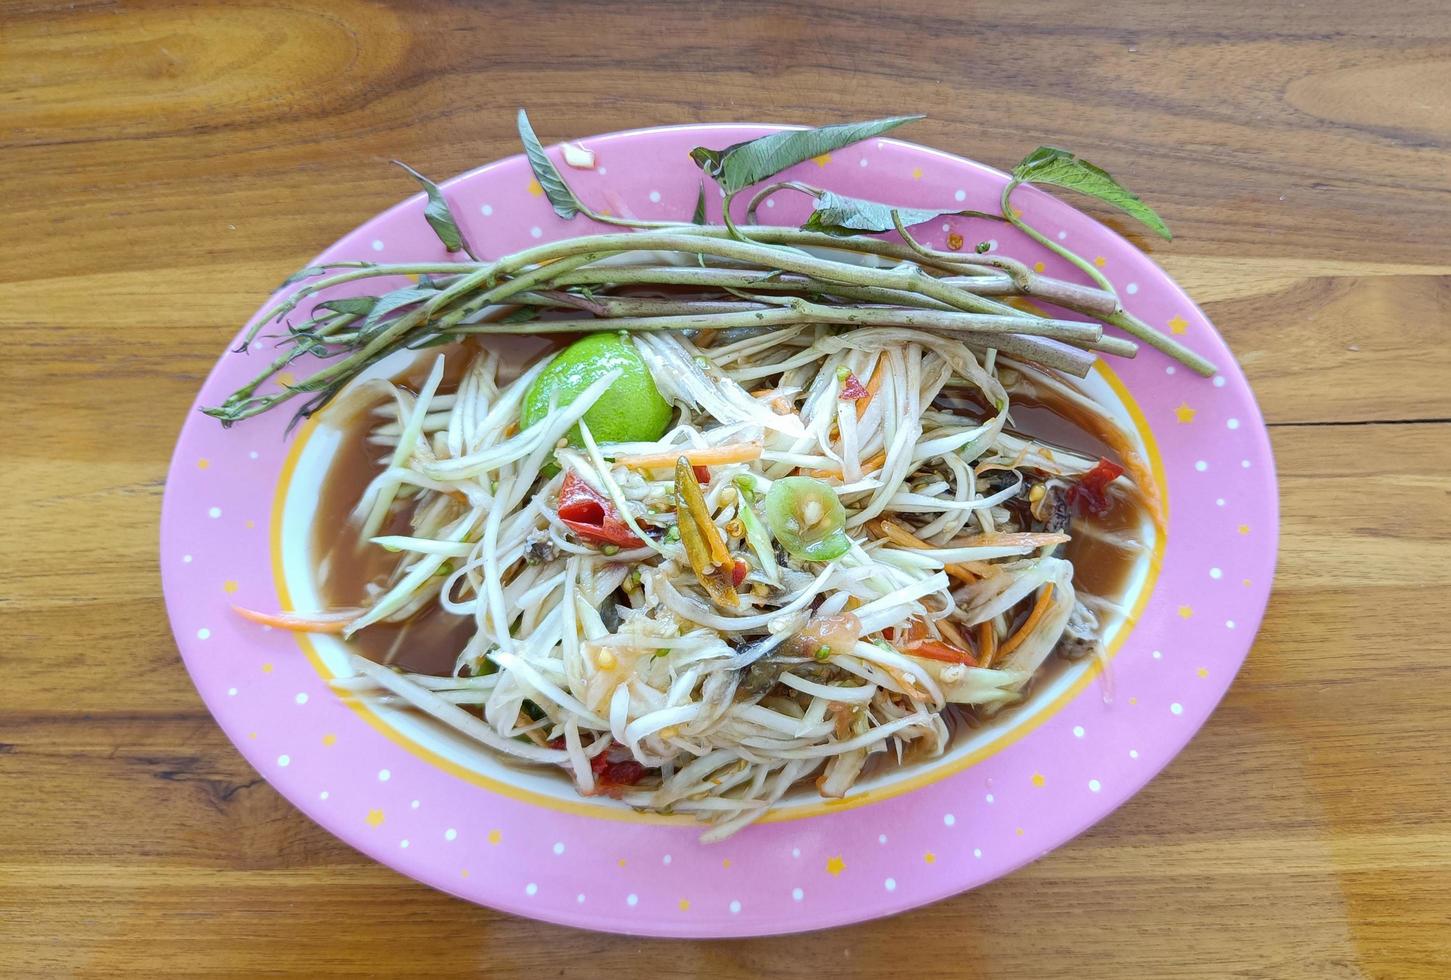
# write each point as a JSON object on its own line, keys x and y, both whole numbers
{"x": 704, "y": 339}
{"x": 874, "y": 384}
{"x": 871, "y": 464}
{"x": 987, "y": 643}
{"x": 333, "y": 622}
{"x": 937, "y": 650}
{"x": 1040, "y": 609}
{"x": 762, "y": 392}
{"x": 511, "y": 429}
{"x": 951, "y": 634}
{"x": 899, "y": 535}
{"x": 741, "y": 452}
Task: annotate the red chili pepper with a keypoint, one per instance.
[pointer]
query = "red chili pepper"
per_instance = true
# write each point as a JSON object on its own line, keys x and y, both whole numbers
{"x": 739, "y": 573}
{"x": 592, "y": 516}
{"x": 1090, "y": 493}
{"x": 611, "y": 777}
{"x": 702, "y": 473}
{"x": 852, "y": 389}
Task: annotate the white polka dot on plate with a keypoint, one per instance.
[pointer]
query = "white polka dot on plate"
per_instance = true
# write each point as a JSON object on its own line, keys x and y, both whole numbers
{"x": 1219, "y": 502}
{"x": 214, "y": 513}
{"x": 1077, "y": 731}
{"x": 1062, "y": 235}
{"x": 881, "y": 838}
{"x": 323, "y": 795}
{"x": 203, "y": 633}
{"x": 1231, "y": 423}
{"x": 450, "y": 834}
{"x": 377, "y": 245}
{"x": 558, "y": 847}
{"x": 890, "y": 884}
{"x": 1201, "y": 465}
{"x": 1094, "y": 785}
{"x": 862, "y": 162}
{"x": 1176, "y": 708}
{"x": 253, "y": 454}
{"x": 948, "y": 820}
{"x": 1169, "y": 369}
{"x": 486, "y": 209}
{"x": 989, "y": 798}
{"x": 1244, "y": 463}
{"x": 1157, "y": 655}
{"x": 1133, "y": 753}
{"x": 384, "y": 775}
{"x": 531, "y": 889}
{"x": 655, "y": 197}
{"x": 1215, "y": 573}
{"x": 977, "y": 852}
{"x": 1219, "y": 381}
{"x": 579, "y": 898}
{"x": 1131, "y": 288}
{"x": 284, "y": 760}
{"x": 301, "y": 697}
{"x": 959, "y": 195}
{"x": 770, "y": 203}
{"x": 403, "y": 842}
{"x": 796, "y": 852}
{"x": 1229, "y": 624}
{"x": 231, "y": 692}
{"x": 536, "y": 232}
{"x": 735, "y": 907}
{"x": 415, "y": 804}
{"x": 186, "y": 559}
{"x": 797, "y": 894}
{"x": 632, "y": 899}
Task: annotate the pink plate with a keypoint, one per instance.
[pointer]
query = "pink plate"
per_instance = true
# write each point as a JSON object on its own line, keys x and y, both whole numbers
{"x": 1046, "y": 772}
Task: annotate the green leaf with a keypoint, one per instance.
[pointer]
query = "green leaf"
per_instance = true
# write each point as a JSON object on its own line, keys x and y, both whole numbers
{"x": 390, "y": 303}
{"x": 698, "y": 218}
{"x": 566, "y": 205}
{"x": 437, "y": 212}
{"x": 751, "y": 162}
{"x": 1051, "y": 165}
{"x": 356, "y": 305}
{"x": 837, "y": 214}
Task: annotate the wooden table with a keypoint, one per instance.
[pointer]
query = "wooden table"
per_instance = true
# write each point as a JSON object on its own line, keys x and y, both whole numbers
{"x": 164, "y": 164}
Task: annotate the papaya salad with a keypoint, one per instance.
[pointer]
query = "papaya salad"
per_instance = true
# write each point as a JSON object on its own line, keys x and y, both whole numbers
{"x": 775, "y": 509}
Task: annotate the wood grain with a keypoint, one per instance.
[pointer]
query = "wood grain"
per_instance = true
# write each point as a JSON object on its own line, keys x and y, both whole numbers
{"x": 164, "y": 164}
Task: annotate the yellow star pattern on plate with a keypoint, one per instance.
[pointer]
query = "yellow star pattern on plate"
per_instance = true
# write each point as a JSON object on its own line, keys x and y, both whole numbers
{"x": 1244, "y": 529}
{"x": 1178, "y": 325}
{"x": 1202, "y": 672}
{"x": 495, "y": 836}
{"x": 684, "y": 905}
{"x": 230, "y": 585}
{"x": 287, "y": 379}
{"x": 835, "y": 865}
{"x": 329, "y": 739}
{"x": 534, "y": 189}
{"x": 266, "y": 668}
{"x": 1185, "y": 612}
{"x": 203, "y": 463}
{"x": 822, "y": 160}
{"x": 374, "y": 817}
{"x": 1100, "y": 261}
{"x": 916, "y": 173}
{"x": 1038, "y": 779}
{"x": 1184, "y": 413}
{"x": 1039, "y": 267}
{"x": 930, "y": 858}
